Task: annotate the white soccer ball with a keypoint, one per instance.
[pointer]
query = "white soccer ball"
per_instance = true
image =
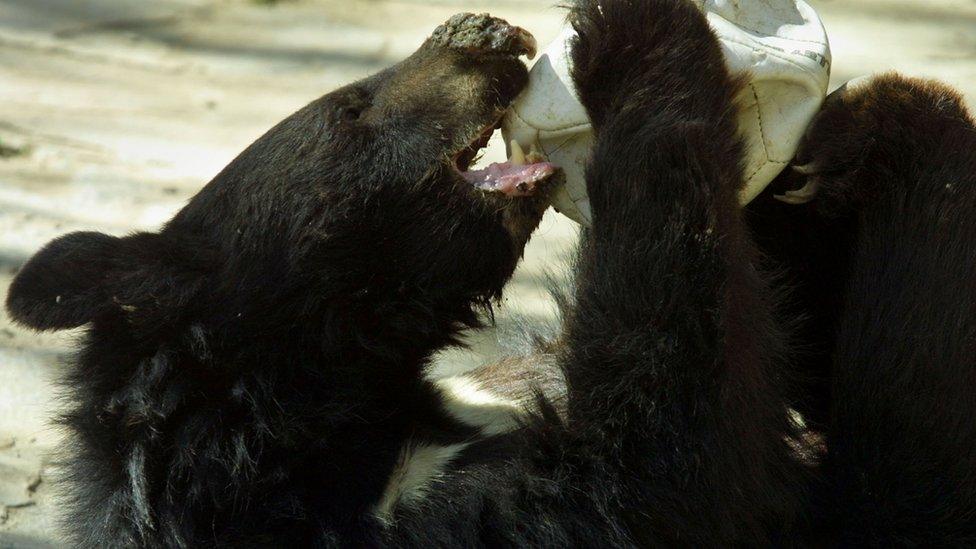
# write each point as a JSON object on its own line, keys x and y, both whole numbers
{"x": 780, "y": 44}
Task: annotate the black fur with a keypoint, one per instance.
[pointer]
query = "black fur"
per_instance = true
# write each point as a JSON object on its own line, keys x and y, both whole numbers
{"x": 250, "y": 372}
{"x": 253, "y": 373}
{"x": 884, "y": 261}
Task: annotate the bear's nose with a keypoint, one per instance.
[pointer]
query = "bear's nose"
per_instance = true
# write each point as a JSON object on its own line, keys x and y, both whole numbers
{"x": 483, "y": 34}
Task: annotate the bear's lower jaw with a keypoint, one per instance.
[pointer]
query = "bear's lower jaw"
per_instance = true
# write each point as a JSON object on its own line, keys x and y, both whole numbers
{"x": 520, "y": 215}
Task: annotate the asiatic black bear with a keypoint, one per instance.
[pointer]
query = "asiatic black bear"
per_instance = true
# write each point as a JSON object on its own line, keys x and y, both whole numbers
{"x": 253, "y": 374}
{"x": 882, "y": 264}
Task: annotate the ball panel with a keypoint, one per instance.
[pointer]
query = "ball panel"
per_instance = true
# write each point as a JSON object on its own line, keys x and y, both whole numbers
{"x": 780, "y": 44}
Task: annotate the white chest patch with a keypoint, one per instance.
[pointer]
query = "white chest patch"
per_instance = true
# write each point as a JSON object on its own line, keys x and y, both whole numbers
{"x": 468, "y": 403}
{"x": 417, "y": 470}
{"x": 421, "y": 466}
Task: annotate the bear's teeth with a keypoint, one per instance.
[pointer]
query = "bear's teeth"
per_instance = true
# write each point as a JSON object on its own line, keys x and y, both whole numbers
{"x": 518, "y": 155}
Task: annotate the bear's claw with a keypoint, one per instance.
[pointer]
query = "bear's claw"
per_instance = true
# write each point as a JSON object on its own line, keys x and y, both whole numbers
{"x": 804, "y": 194}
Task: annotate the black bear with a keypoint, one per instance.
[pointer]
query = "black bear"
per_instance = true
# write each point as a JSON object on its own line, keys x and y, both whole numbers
{"x": 882, "y": 262}
{"x": 253, "y": 374}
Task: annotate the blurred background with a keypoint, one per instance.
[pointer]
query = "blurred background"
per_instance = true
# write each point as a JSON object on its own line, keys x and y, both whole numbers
{"x": 114, "y": 112}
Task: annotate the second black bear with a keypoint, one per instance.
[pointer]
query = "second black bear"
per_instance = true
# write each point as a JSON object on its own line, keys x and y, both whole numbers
{"x": 882, "y": 261}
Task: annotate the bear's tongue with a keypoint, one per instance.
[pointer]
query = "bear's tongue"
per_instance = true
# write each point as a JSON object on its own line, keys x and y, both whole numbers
{"x": 518, "y": 177}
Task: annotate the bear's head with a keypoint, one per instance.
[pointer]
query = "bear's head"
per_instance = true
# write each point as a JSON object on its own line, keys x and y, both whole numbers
{"x": 356, "y": 208}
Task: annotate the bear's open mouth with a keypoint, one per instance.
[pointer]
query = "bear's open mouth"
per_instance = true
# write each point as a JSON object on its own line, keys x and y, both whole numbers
{"x": 520, "y": 176}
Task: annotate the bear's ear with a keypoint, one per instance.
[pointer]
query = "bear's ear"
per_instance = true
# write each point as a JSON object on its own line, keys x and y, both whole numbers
{"x": 63, "y": 285}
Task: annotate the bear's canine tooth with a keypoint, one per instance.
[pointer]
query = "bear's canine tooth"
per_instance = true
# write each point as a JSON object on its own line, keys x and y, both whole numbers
{"x": 518, "y": 155}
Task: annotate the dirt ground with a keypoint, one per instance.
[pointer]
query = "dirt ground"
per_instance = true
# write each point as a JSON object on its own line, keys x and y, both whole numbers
{"x": 114, "y": 112}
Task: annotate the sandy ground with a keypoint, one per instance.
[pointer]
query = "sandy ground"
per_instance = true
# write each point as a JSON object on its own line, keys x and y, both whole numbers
{"x": 114, "y": 112}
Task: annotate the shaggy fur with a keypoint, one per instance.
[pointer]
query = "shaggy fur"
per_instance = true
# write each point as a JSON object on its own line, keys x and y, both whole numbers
{"x": 883, "y": 260}
{"x": 252, "y": 374}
